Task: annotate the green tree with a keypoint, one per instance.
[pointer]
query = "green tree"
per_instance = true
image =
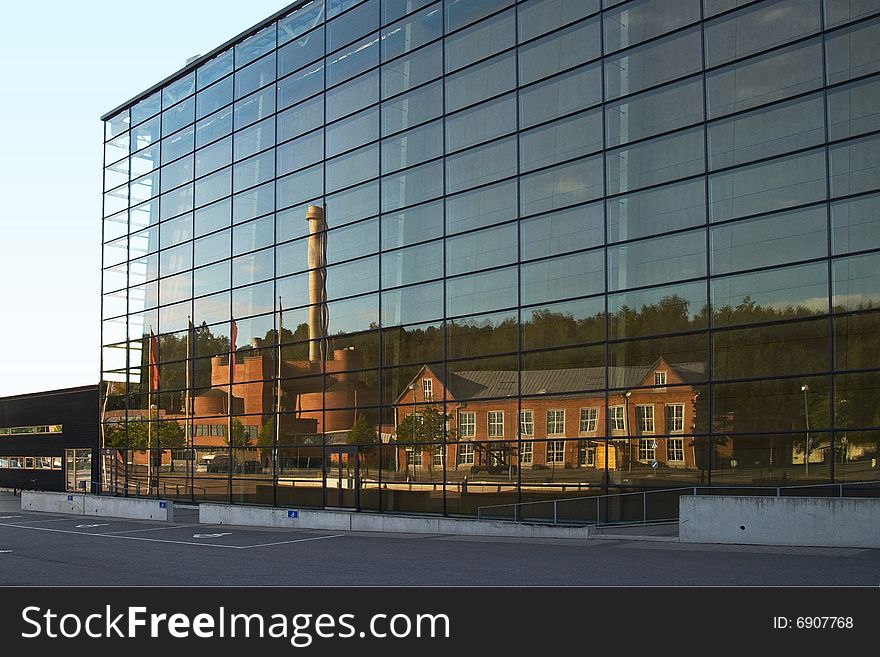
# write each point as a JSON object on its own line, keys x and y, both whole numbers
{"x": 362, "y": 432}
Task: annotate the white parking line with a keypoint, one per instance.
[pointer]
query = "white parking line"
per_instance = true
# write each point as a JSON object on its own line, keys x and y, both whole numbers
{"x": 148, "y": 529}
{"x": 161, "y": 540}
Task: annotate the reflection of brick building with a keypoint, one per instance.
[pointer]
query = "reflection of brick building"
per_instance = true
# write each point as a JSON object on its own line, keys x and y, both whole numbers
{"x": 650, "y": 418}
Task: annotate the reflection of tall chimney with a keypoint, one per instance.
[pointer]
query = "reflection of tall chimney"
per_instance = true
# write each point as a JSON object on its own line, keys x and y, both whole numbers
{"x": 317, "y": 282}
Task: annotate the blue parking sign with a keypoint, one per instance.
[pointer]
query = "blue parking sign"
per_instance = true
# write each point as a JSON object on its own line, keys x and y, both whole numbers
{"x": 163, "y": 505}
{"x": 70, "y": 498}
{"x": 292, "y": 514}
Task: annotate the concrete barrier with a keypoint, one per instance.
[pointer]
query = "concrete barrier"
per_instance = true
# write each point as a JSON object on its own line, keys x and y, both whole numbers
{"x": 816, "y": 521}
{"x": 52, "y": 502}
{"x": 249, "y": 516}
{"x": 98, "y": 505}
{"x": 128, "y": 507}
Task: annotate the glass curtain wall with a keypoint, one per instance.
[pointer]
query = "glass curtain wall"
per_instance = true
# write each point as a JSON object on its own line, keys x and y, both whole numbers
{"x": 428, "y": 257}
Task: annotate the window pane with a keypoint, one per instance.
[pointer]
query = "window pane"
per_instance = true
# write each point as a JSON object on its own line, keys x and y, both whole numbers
{"x": 767, "y": 295}
{"x": 301, "y": 119}
{"x": 301, "y": 152}
{"x": 655, "y": 161}
{"x": 657, "y": 260}
{"x": 413, "y": 146}
{"x": 481, "y": 207}
{"x": 657, "y": 310}
{"x": 559, "y": 232}
{"x": 561, "y": 140}
{"x": 412, "y": 265}
{"x": 482, "y": 292}
{"x": 481, "y": 165}
{"x": 856, "y": 285}
{"x": 763, "y": 133}
{"x": 852, "y": 52}
{"x": 481, "y": 123}
{"x": 482, "y": 249}
{"x": 412, "y": 109}
{"x": 417, "y": 224}
{"x": 564, "y": 277}
{"x": 767, "y": 186}
{"x": 481, "y": 81}
{"x": 854, "y": 224}
{"x": 563, "y": 185}
{"x": 773, "y": 240}
{"x": 412, "y": 32}
{"x": 352, "y": 131}
{"x": 670, "y": 107}
{"x": 758, "y": 28}
{"x": 776, "y": 75}
{"x": 854, "y": 109}
{"x": 537, "y": 17}
{"x": 300, "y": 52}
{"x": 412, "y": 70}
{"x": 855, "y": 166}
{"x": 658, "y": 210}
{"x": 653, "y": 63}
{"x": 637, "y": 21}
{"x": 560, "y": 95}
{"x": 560, "y": 51}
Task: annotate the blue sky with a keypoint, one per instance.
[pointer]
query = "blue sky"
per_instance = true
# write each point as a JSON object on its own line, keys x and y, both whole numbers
{"x": 63, "y": 65}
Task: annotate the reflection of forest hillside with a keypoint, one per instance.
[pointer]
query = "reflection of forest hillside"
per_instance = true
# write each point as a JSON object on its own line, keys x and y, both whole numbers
{"x": 767, "y": 351}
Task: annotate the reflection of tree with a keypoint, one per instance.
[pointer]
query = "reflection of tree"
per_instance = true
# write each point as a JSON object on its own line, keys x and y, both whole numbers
{"x": 164, "y": 434}
{"x": 240, "y": 436}
{"x": 362, "y": 432}
{"x": 426, "y": 425}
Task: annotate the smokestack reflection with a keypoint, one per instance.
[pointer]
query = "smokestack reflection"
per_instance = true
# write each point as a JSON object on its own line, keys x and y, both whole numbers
{"x": 317, "y": 260}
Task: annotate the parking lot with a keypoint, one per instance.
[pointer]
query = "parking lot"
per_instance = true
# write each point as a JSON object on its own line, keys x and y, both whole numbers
{"x": 58, "y": 549}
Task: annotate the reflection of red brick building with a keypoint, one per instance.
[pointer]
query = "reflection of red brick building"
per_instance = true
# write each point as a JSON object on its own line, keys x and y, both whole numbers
{"x": 650, "y": 417}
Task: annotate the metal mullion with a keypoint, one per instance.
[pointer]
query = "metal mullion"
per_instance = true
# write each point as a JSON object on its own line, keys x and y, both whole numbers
{"x": 444, "y": 322}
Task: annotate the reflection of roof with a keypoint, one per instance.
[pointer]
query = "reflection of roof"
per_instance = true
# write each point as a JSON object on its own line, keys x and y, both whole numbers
{"x": 491, "y": 384}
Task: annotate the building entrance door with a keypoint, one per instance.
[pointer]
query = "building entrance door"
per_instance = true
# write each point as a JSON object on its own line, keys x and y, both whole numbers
{"x": 343, "y": 477}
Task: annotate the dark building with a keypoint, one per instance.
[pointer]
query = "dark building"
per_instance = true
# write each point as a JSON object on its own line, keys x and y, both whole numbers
{"x": 462, "y": 253}
{"x": 49, "y": 440}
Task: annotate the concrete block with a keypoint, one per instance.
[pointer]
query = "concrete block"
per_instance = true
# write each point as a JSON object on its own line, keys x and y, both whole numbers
{"x": 373, "y": 522}
{"x": 52, "y": 502}
{"x": 464, "y": 527}
{"x": 808, "y": 521}
{"x": 128, "y": 507}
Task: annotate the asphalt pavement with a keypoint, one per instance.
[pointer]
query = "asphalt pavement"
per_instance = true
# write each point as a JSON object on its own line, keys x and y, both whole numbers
{"x": 60, "y": 550}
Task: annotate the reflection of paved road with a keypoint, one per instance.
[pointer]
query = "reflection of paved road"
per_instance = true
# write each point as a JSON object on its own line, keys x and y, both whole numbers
{"x": 42, "y": 548}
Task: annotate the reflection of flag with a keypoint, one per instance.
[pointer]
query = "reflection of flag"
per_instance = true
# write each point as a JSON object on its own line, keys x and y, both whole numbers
{"x": 233, "y": 336}
{"x": 154, "y": 361}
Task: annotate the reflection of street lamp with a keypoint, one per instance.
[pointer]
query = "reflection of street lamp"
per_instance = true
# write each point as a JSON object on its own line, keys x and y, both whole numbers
{"x": 804, "y": 389}
{"x": 407, "y": 457}
{"x": 626, "y": 397}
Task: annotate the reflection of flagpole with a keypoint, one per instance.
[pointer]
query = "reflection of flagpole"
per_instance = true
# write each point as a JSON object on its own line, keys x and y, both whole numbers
{"x": 187, "y": 399}
{"x": 277, "y": 396}
{"x": 152, "y": 381}
{"x": 233, "y": 335}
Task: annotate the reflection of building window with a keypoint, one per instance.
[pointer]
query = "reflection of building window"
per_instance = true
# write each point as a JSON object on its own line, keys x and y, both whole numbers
{"x": 525, "y": 452}
{"x": 496, "y": 424}
{"x": 660, "y": 380}
{"x": 555, "y": 451}
{"x": 527, "y": 423}
{"x": 589, "y": 420}
{"x": 645, "y": 418}
{"x": 467, "y": 425}
{"x": 413, "y": 456}
{"x": 586, "y": 454}
{"x": 675, "y": 449}
{"x": 213, "y": 430}
{"x": 646, "y": 449}
{"x": 615, "y": 415}
{"x": 674, "y": 418}
{"x": 428, "y": 389}
{"x": 439, "y": 455}
{"x": 555, "y": 422}
{"x": 465, "y": 454}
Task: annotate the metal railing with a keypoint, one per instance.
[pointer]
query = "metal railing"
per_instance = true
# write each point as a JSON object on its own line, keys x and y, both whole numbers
{"x": 614, "y": 508}
{"x": 135, "y": 487}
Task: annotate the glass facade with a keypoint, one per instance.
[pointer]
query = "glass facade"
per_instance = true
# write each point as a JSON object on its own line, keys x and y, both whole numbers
{"x": 414, "y": 256}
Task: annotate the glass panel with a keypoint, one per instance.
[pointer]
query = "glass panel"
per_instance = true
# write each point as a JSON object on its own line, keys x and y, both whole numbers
{"x": 537, "y": 17}
{"x": 563, "y": 277}
{"x": 561, "y": 140}
{"x": 670, "y": 107}
{"x": 855, "y": 166}
{"x": 301, "y": 119}
{"x": 563, "y": 94}
{"x": 484, "y": 122}
{"x": 769, "y": 295}
{"x": 658, "y": 210}
{"x": 482, "y": 249}
{"x": 758, "y": 28}
{"x": 423, "y": 222}
{"x": 856, "y": 285}
{"x": 655, "y": 161}
{"x": 559, "y": 232}
{"x": 481, "y": 165}
{"x": 767, "y": 186}
{"x": 644, "y": 19}
{"x": 764, "y": 79}
{"x": 854, "y": 224}
{"x": 764, "y": 133}
{"x": 412, "y": 265}
{"x": 412, "y": 109}
{"x": 482, "y": 292}
{"x": 413, "y": 146}
{"x": 481, "y": 81}
{"x": 854, "y": 109}
{"x": 852, "y": 52}
{"x": 484, "y": 39}
{"x": 412, "y": 32}
{"x": 773, "y": 240}
{"x": 657, "y": 260}
{"x": 653, "y": 63}
{"x": 670, "y": 309}
{"x": 566, "y": 184}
